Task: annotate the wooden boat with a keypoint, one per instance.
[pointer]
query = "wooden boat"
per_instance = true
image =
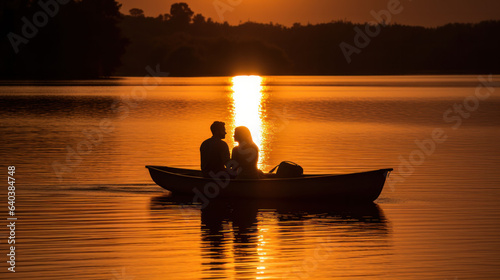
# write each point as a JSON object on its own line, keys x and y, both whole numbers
{"x": 363, "y": 186}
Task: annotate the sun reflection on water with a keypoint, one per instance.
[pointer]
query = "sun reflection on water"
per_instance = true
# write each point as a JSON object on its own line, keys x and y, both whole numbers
{"x": 248, "y": 96}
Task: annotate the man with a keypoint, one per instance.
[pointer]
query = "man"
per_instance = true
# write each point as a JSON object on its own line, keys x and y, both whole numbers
{"x": 214, "y": 152}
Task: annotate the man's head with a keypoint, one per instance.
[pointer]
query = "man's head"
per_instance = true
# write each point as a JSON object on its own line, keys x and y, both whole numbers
{"x": 218, "y": 129}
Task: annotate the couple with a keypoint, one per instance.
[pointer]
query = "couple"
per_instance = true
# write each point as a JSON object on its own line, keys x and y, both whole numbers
{"x": 215, "y": 154}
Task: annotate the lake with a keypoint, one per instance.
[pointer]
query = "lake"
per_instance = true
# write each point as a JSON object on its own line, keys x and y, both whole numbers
{"x": 86, "y": 207}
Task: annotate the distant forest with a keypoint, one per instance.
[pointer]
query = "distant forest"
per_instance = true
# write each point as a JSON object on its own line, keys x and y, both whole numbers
{"x": 91, "y": 39}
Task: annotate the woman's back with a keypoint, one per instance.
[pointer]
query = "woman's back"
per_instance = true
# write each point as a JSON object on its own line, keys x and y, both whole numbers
{"x": 246, "y": 154}
{"x": 246, "y": 157}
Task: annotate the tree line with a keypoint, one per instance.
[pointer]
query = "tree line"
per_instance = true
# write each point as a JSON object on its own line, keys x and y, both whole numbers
{"x": 91, "y": 38}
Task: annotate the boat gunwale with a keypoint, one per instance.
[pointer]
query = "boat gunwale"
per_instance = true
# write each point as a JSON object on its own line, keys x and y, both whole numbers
{"x": 306, "y": 177}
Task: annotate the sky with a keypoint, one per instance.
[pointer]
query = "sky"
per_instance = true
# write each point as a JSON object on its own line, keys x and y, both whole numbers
{"x": 428, "y": 13}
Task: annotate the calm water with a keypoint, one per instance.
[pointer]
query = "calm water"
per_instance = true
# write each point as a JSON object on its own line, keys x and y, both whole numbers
{"x": 87, "y": 209}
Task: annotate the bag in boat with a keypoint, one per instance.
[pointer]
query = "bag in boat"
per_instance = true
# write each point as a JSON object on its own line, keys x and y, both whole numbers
{"x": 288, "y": 169}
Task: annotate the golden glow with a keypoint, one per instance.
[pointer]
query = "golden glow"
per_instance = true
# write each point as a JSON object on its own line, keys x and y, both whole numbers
{"x": 266, "y": 224}
{"x": 247, "y": 109}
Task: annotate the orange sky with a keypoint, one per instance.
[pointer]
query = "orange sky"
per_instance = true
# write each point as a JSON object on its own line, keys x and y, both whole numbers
{"x": 415, "y": 12}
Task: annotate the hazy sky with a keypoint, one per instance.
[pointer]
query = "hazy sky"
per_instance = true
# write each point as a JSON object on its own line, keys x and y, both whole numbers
{"x": 415, "y": 12}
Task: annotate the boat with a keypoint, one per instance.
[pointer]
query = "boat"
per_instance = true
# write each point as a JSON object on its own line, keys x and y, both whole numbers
{"x": 362, "y": 186}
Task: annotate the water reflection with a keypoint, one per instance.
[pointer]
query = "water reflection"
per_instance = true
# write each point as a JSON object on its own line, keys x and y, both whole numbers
{"x": 38, "y": 107}
{"x": 251, "y": 239}
{"x": 248, "y": 99}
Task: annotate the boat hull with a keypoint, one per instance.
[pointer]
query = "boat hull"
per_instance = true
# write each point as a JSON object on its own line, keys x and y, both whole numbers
{"x": 364, "y": 186}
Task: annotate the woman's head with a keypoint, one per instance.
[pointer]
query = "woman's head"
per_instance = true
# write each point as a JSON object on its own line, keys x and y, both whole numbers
{"x": 242, "y": 135}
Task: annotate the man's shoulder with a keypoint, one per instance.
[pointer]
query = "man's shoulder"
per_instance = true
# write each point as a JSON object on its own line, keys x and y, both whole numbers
{"x": 221, "y": 143}
{"x": 214, "y": 141}
{"x": 205, "y": 143}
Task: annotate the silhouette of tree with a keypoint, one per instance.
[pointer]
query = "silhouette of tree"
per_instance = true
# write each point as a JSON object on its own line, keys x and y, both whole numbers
{"x": 84, "y": 40}
{"x": 180, "y": 14}
{"x": 205, "y": 47}
{"x": 81, "y": 41}
{"x": 136, "y": 12}
{"x": 198, "y": 19}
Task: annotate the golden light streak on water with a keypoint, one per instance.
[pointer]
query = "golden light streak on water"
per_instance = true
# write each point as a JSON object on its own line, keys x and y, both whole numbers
{"x": 248, "y": 96}
{"x": 266, "y": 225}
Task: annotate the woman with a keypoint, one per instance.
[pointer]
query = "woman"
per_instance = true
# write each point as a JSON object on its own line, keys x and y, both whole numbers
{"x": 245, "y": 155}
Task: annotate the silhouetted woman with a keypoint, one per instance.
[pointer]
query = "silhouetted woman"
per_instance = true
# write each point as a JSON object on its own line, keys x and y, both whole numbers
{"x": 245, "y": 155}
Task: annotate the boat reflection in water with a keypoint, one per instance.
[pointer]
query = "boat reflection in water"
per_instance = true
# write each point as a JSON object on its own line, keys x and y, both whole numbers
{"x": 248, "y": 97}
{"x": 262, "y": 239}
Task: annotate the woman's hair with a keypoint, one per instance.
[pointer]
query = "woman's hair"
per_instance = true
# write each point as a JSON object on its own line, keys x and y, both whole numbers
{"x": 242, "y": 134}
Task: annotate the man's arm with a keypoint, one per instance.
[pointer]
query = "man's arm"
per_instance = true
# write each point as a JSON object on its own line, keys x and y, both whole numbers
{"x": 225, "y": 154}
{"x": 202, "y": 155}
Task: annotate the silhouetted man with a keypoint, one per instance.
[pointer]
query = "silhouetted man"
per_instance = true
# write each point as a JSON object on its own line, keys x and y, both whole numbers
{"x": 214, "y": 152}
